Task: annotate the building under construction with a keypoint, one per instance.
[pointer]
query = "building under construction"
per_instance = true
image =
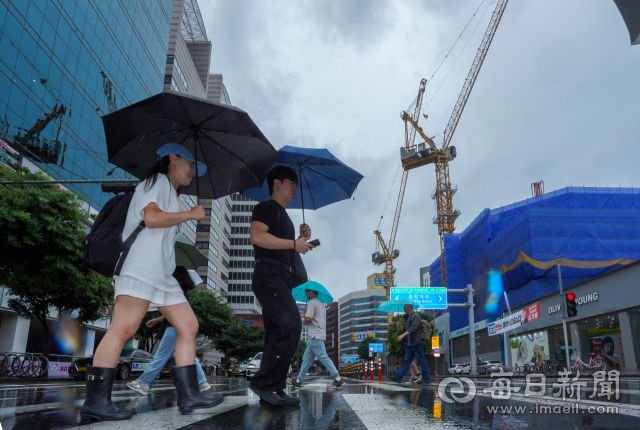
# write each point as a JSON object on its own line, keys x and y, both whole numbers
{"x": 588, "y": 231}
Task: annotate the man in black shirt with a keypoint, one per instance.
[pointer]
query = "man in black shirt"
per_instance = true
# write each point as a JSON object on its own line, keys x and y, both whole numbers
{"x": 274, "y": 242}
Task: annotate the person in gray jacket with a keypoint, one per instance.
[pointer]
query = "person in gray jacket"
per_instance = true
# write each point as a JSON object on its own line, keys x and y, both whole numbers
{"x": 413, "y": 347}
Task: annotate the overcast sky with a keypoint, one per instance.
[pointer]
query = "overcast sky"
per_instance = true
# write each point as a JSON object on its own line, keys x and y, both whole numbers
{"x": 556, "y": 100}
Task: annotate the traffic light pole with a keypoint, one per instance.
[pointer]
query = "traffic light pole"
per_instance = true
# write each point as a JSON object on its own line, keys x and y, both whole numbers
{"x": 469, "y": 305}
{"x": 564, "y": 318}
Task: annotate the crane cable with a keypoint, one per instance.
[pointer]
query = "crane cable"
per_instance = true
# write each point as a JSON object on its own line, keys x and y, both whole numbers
{"x": 458, "y": 57}
{"x": 384, "y": 211}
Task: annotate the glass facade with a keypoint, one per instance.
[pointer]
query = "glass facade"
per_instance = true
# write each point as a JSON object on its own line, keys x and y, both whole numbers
{"x": 64, "y": 64}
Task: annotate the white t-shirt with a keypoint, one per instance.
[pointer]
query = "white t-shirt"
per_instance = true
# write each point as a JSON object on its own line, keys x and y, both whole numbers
{"x": 318, "y": 315}
{"x": 152, "y": 258}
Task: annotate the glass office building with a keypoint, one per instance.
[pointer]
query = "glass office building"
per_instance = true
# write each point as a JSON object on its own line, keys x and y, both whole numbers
{"x": 64, "y": 64}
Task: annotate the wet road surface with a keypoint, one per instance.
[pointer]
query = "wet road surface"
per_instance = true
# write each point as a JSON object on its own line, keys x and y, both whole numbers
{"x": 51, "y": 404}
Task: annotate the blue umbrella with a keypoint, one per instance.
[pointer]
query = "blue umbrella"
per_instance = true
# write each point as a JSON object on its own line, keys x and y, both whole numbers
{"x": 323, "y": 178}
{"x": 396, "y": 306}
{"x": 299, "y": 293}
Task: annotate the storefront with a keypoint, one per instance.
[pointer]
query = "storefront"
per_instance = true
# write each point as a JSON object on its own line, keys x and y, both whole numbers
{"x": 607, "y": 324}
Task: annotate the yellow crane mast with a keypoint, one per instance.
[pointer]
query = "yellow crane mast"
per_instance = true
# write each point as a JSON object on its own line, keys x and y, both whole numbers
{"x": 413, "y": 156}
{"x": 386, "y": 254}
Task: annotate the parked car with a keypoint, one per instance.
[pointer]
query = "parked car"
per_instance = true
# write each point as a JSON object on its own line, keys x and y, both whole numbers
{"x": 466, "y": 368}
{"x": 456, "y": 369}
{"x": 254, "y": 365}
{"x": 131, "y": 361}
{"x": 237, "y": 370}
{"x": 489, "y": 366}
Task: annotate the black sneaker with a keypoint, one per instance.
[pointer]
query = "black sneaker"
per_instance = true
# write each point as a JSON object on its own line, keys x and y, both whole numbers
{"x": 296, "y": 384}
{"x": 286, "y": 399}
{"x": 338, "y": 384}
{"x": 270, "y": 397}
{"x": 393, "y": 379}
{"x": 416, "y": 378}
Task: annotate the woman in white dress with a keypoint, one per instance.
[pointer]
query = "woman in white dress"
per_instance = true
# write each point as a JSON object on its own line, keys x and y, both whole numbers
{"x": 145, "y": 282}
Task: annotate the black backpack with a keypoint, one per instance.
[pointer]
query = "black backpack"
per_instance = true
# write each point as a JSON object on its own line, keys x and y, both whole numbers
{"x": 103, "y": 249}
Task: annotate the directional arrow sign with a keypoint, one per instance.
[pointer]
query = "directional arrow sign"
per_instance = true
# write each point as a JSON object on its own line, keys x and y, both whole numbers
{"x": 426, "y": 298}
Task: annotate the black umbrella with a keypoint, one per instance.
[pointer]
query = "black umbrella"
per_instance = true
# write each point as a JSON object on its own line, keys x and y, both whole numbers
{"x": 630, "y": 11}
{"x": 237, "y": 154}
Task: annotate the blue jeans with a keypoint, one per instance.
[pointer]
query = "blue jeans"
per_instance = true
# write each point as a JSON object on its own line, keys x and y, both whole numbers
{"x": 315, "y": 348}
{"x": 162, "y": 355}
{"x": 409, "y": 354}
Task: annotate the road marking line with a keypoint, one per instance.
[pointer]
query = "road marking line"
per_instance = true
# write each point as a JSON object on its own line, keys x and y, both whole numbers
{"x": 171, "y": 418}
{"x": 384, "y": 414}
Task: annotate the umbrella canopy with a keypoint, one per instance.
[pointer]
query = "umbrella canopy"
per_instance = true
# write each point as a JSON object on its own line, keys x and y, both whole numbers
{"x": 396, "y": 306}
{"x": 323, "y": 178}
{"x": 197, "y": 280}
{"x": 630, "y": 11}
{"x": 188, "y": 255}
{"x": 300, "y": 295}
{"x": 223, "y": 137}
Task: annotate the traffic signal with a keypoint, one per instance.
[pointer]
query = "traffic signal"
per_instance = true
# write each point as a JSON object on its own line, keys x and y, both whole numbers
{"x": 572, "y": 307}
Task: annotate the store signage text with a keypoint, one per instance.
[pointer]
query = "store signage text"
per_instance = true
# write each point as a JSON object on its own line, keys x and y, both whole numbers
{"x": 581, "y": 300}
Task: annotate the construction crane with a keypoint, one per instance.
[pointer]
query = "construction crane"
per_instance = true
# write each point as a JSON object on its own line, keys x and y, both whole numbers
{"x": 385, "y": 252}
{"x": 414, "y": 156}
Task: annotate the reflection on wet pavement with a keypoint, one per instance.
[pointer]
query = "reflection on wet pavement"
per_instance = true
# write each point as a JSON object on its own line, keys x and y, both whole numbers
{"x": 357, "y": 405}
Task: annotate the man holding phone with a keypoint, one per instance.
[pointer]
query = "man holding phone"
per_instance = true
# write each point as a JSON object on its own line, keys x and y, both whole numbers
{"x": 273, "y": 239}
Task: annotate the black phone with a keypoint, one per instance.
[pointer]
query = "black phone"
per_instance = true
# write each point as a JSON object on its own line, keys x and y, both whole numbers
{"x": 315, "y": 242}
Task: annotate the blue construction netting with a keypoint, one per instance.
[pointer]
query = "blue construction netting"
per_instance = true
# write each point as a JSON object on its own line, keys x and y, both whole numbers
{"x": 589, "y": 231}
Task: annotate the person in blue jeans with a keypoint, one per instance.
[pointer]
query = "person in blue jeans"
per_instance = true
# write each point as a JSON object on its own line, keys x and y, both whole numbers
{"x": 315, "y": 317}
{"x": 413, "y": 347}
{"x": 168, "y": 344}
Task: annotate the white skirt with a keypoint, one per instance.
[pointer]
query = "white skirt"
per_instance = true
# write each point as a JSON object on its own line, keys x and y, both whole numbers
{"x": 129, "y": 286}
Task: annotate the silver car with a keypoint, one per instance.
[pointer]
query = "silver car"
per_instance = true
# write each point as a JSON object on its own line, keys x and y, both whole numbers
{"x": 456, "y": 369}
{"x": 489, "y": 366}
{"x": 254, "y": 365}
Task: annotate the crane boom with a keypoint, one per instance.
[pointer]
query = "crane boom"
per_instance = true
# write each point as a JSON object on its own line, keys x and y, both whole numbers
{"x": 473, "y": 72}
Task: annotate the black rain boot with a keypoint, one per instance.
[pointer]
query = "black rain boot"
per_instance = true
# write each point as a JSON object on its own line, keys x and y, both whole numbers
{"x": 185, "y": 379}
{"x": 98, "y": 404}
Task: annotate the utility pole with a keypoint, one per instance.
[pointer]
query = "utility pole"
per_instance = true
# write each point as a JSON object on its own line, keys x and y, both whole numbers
{"x": 472, "y": 329}
{"x": 564, "y": 318}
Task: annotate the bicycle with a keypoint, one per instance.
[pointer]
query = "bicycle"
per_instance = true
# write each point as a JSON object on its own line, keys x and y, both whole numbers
{"x": 596, "y": 364}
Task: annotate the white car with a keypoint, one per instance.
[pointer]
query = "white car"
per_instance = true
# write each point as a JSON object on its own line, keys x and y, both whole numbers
{"x": 487, "y": 367}
{"x": 466, "y": 368}
{"x": 254, "y": 365}
{"x": 456, "y": 369}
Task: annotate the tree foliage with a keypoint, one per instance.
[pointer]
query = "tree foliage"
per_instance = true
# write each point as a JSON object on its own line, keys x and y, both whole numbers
{"x": 41, "y": 232}
{"x": 214, "y": 315}
{"x": 363, "y": 348}
{"x": 146, "y": 335}
{"x": 397, "y": 327}
{"x": 297, "y": 357}
{"x": 241, "y": 341}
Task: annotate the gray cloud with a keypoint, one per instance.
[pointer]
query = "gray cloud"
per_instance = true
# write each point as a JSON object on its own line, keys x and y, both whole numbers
{"x": 557, "y": 100}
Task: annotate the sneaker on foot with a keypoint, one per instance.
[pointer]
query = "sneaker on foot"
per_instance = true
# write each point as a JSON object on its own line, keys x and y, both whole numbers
{"x": 204, "y": 386}
{"x": 338, "y": 384}
{"x": 139, "y": 387}
{"x": 416, "y": 378}
{"x": 393, "y": 379}
{"x": 296, "y": 384}
{"x": 286, "y": 399}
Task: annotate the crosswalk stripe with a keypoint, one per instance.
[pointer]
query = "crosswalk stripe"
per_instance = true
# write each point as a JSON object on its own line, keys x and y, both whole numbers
{"x": 171, "y": 418}
{"x": 384, "y": 414}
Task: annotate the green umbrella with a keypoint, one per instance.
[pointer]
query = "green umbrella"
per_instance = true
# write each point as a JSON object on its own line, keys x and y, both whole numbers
{"x": 188, "y": 255}
{"x": 299, "y": 293}
{"x": 396, "y": 306}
